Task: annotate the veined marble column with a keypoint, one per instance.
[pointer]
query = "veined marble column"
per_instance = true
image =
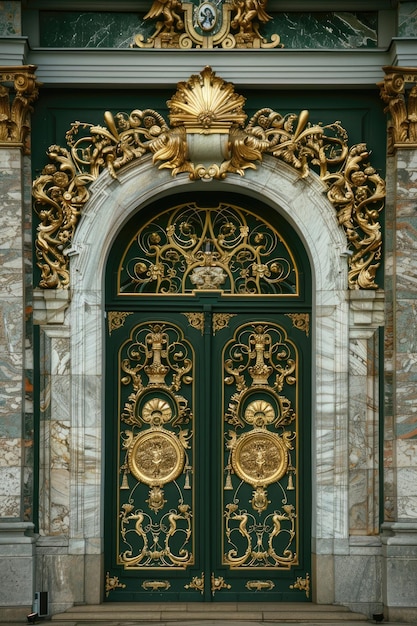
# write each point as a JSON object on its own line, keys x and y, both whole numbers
{"x": 399, "y": 91}
{"x": 18, "y": 89}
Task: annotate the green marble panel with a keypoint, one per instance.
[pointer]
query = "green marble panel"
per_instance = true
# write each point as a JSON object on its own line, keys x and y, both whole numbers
{"x": 325, "y": 30}
{"x": 70, "y": 29}
{"x": 10, "y": 18}
{"x": 407, "y": 19}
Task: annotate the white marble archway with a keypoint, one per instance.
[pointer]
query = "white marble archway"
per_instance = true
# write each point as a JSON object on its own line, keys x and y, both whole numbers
{"x": 341, "y": 320}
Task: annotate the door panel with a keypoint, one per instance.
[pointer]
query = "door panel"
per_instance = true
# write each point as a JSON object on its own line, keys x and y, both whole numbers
{"x": 154, "y": 540}
{"x": 208, "y": 443}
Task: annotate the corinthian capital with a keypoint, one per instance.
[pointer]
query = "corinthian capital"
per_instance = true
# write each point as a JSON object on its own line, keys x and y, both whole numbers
{"x": 399, "y": 92}
{"x": 18, "y": 90}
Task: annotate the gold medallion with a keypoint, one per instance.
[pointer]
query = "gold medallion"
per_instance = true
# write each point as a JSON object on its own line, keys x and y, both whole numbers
{"x": 260, "y": 458}
{"x": 156, "y": 458}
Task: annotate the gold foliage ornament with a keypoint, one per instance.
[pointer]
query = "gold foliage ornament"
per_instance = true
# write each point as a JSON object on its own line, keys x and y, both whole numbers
{"x": 399, "y": 92}
{"x": 18, "y": 91}
{"x": 156, "y": 452}
{"x": 207, "y": 117}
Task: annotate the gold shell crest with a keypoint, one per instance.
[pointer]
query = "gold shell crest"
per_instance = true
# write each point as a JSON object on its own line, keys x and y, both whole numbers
{"x": 206, "y": 104}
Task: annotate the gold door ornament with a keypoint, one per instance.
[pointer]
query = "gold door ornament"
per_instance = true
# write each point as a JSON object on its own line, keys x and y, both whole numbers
{"x": 116, "y": 319}
{"x": 155, "y": 459}
{"x": 260, "y": 585}
{"x": 223, "y": 247}
{"x": 156, "y": 449}
{"x": 218, "y": 583}
{"x": 303, "y": 584}
{"x": 156, "y": 585}
{"x": 260, "y": 458}
{"x": 219, "y": 321}
{"x": 197, "y": 583}
{"x": 260, "y": 363}
{"x": 112, "y": 583}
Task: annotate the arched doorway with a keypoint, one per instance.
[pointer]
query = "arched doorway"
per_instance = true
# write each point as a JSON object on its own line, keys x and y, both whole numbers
{"x": 208, "y": 404}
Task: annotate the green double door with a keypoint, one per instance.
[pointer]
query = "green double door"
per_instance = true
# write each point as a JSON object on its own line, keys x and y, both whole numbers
{"x": 208, "y": 478}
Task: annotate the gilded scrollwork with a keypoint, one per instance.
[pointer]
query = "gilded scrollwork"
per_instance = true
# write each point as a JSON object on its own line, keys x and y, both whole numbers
{"x": 208, "y": 105}
{"x": 155, "y": 536}
{"x": 218, "y": 583}
{"x": 116, "y": 319}
{"x": 156, "y": 450}
{"x": 221, "y": 320}
{"x": 196, "y": 583}
{"x": 301, "y": 321}
{"x": 260, "y": 428}
{"x": 196, "y": 320}
{"x": 221, "y": 247}
{"x": 258, "y": 548}
{"x": 113, "y": 582}
{"x": 303, "y": 584}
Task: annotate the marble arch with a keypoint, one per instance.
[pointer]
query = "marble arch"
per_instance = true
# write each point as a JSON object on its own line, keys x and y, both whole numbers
{"x": 344, "y": 326}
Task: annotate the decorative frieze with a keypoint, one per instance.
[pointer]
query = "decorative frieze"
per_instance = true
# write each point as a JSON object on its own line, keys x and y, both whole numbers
{"x": 18, "y": 90}
{"x": 399, "y": 92}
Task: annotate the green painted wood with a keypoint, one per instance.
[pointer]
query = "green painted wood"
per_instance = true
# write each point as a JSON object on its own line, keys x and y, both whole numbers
{"x": 208, "y": 453}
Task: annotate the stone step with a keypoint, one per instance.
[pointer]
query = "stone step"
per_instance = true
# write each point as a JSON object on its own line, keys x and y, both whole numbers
{"x": 187, "y": 613}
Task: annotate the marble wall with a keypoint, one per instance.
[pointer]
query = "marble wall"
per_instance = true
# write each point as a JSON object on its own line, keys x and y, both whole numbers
{"x": 16, "y": 410}
{"x": 10, "y": 18}
{"x": 345, "y": 400}
{"x": 399, "y": 536}
{"x": 304, "y": 30}
{"x": 407, "y": 19}
{"x": 12, "y": 340}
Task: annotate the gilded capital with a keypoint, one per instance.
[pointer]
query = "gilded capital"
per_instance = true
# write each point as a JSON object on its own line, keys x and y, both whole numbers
{"x": 18, "y": 90}
{"x": 399, "y": 92}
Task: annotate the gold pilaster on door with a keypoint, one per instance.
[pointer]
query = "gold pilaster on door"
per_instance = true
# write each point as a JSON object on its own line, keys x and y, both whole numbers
{"x": 217, "y": 583}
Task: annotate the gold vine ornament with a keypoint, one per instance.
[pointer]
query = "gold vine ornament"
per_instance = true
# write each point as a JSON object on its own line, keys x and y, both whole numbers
{"x": 206, "y": 112}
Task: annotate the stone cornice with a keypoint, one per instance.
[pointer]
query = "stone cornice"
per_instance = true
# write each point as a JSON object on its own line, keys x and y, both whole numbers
{"x": 13, "y": 50}
{"x": 258, "y": 68}
{"x": 331, "y": 69}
